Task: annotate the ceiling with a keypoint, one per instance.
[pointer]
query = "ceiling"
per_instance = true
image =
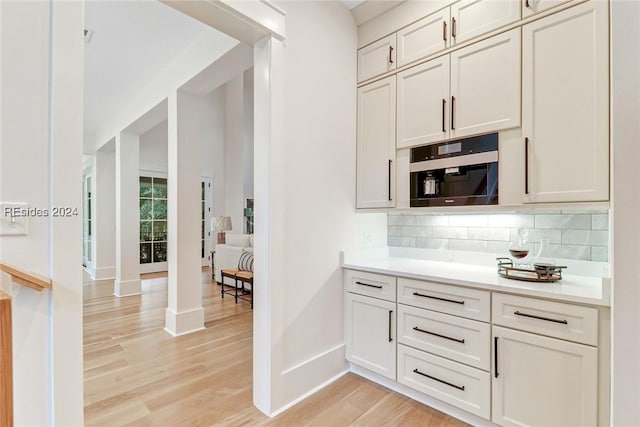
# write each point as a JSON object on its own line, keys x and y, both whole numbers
{"x": 132, "y": 42}
{"x": 352, "y": 3}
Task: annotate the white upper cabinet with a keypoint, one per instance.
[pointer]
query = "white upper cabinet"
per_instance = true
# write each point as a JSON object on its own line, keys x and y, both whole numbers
{"x": 423, "y": 99}
{"x": 427, "y": 36}
{"x": 471, "y": 18}
{"x": 531, "y": 7}
{"x": 485, "y": 86}
{"x": 565, "y": 106}
{"x": 377, "y": 58}
{"x": 376, "y": 144}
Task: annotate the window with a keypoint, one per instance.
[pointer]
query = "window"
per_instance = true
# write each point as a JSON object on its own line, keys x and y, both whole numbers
{"x": 153, "y": 220}
{"x": 86, "y": 220}
{"x": 203, "y": 217}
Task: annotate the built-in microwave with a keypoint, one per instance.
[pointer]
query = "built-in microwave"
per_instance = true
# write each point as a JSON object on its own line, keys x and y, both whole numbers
{"x": 455, "y": 173}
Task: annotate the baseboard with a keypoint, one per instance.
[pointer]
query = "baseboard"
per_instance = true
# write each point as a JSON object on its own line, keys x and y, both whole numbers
{"x": 104, "y": 273}
{"x": 127, "y": 288}
{"x": 185, "y": 322}
{"x": 311, "y": 375}
{"x": 429, "y": 401}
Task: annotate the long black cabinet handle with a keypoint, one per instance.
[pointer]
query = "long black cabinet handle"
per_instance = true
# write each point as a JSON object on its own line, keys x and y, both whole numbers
{"x": 444, "y": 108}
{"x": 453, "y": 107}
{"x": 390, "y": 315}
{"x": 453, "y": 26}
{"x": 526, "y": 3}
{"x": 438, "y": 298}
{"x": 390, "y": 161}
{"x": 495, "y": 356}
{"x": 390, "y": 54}
{"x": 533, "y": 316}
{"x": 461, "y": 341}
{"x": 444, "y": 30}
{"x": 459, "y": 387}
{"x": 369, "y": 285}
{"x": 526, "y": 166}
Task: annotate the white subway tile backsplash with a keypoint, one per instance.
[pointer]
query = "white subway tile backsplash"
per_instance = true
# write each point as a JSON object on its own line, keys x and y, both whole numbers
{"x": 433, "y": 220}
{"x": 600, "y": 222}
{"x": 489, "y": 234}
{"x": 401, "y": 220}
{"x": 511, "y": 221}
{"x": 585, "y": 237}
{"x": 450, "y": 232}
{"x": 573, "y": 222}
{"x": 423, "y": 242}
{"x": 468, "y": 245}
{"x": 535, "y": 235}
{"x": 468, "y": 220}
{"x": 600, "y": 253}
{"x": 404, "y": 242}
{"x": 394, "y": 230}
{"x": 573, "y": 234}
{"x": 411, "y": 231}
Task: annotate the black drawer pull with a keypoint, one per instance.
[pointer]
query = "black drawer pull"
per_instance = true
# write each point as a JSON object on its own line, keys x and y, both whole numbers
{"x": 459, "y": 387}
{"x": 461, "y": 341}
{"x": 495, "y": 357}
{"x": 517, "y": 313}
{"x": 390, "y": 316}
{"x": 367, "y": 284}
{"x": 438, "y": 298}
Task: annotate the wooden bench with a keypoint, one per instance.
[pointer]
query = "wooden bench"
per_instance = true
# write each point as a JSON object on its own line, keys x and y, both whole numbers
{"x": 245, "y": 277}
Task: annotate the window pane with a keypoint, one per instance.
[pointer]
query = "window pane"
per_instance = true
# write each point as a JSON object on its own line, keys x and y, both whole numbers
{"x": 202, "y": 237}
{"x": 160, "y": 188}
{"x": 202, "y": 187}
{"x": 89, "y": 228}
{"x": 202, "y": 249}
{"x": 89, "y": 208}
{"x": 145, "y": 231}
{"x": 202, "y": 217}
{"x": 159, "y": 209}
{"x": 159, "y": 252}
{"x": 159, "y": 230}
{"x": 145, "y": 253}
{"x": 145, "y": 186}
{"x": 145, "y": 208}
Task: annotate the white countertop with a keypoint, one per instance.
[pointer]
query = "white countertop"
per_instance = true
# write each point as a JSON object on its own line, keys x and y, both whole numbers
{"x": 594, "y": 290}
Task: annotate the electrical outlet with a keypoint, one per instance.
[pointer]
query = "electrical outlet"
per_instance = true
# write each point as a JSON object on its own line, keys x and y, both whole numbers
{"x": 13, "y": 225}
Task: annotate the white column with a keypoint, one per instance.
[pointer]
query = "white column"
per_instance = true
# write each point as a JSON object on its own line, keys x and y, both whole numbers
{"x": 184, "y": 313}
{"x": 127, "y": 215}
{"x": 103, "y": 215}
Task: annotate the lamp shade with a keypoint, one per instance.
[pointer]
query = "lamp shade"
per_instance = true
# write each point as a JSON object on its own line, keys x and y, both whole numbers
{"x": 223, "y": 223}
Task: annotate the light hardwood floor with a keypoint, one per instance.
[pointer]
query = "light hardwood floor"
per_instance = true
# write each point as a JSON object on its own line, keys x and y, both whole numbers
{"x": 136, "y": 374}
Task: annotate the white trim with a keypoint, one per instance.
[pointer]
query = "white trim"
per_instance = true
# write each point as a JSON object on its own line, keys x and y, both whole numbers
{"x": 309, "y": 393}
{"x": 104, "y": 273}
{"x": 457, "y": 413}
{"x": 185, "y": 322}
{"x": 127, "y": 288}
{"x": 312, "y": 359}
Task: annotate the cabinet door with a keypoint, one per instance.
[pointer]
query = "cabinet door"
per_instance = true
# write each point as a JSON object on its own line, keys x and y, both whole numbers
{"x": 471, "y": 18}
{"x": 423, "y": 96}
{"x": 377, "y": 58}
{"x": 370, "y": 335}
{"x": 540, "y": 381}
{"x": 565, "y": 102}
{"x": 376, "y": 144}
{"x": 531, "y": 7}
{"x": 485, "y": 86}
{"x": 427, "y": 36}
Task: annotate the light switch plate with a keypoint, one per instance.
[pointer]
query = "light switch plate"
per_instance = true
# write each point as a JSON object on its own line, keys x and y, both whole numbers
{"x": 13, "y": 225}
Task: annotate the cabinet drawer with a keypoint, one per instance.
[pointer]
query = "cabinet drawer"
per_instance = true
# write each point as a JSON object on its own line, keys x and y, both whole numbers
{"x": 370, "y": 284}
{"x": 462, "y": 386}
{"x": 465, "y": 341}
{"x": 554, "y": 319}
{"x": 470, "y": 303}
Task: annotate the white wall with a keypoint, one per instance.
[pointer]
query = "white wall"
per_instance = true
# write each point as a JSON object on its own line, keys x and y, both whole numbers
{"x": 234, "y": 152}
{"x": 625, "y": 131}
{"x": 311, "y": 205}
{"x": 33, "y": 153}
{"x": 213, "y": 147}
{"x": 24, "y": 177}
{"x": 153, "y": 149}
{"x": 247, "y": 125}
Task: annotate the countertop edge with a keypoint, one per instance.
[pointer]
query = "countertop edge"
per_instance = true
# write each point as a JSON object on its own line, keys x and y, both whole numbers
{"x": 600, "y": 302}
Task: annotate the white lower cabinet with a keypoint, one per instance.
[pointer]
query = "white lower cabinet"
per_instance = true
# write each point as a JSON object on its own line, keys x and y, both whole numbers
{"x": 512, "y": 359}
{"x": 462, "y": 386}
{"x": 370, "y": 334}
{"x": 541, "y": 381}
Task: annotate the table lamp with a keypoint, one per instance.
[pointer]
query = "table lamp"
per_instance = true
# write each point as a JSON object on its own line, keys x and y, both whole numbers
{"x": 222, "y": 224}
